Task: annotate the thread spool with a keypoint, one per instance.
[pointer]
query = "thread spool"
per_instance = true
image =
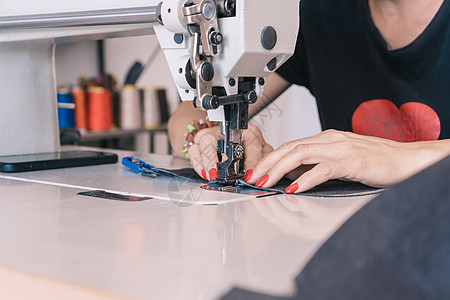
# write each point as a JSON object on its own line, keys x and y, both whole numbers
{"x": 100, "y": 111}
{"x": 115, "y": 100}
{"x": 65, "y": 109}
{"x": 79, "y": 99}
{"x": 151, "y": 108}
{"x": 130, "y": 108}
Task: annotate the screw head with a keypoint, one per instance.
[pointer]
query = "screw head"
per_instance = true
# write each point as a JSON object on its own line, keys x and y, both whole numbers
{"x": 251, "y": 97}
{"x": 216, "y": 38}
{"x": 207, "y": 71}
{"x": 210, "y": 102}
{"x": 178, "y": 38}
{"x": 232, "y": 82}
{"x": 229, "y": 5}
{"x": 215, "y": 102}
{"x": 209, "y": 10}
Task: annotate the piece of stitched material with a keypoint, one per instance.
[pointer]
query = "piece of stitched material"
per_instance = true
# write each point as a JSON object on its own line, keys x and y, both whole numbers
{"x": 330, "y": 189}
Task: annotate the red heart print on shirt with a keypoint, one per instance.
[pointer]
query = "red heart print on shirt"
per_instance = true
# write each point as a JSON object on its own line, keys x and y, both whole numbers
{"x": 413, "y": 122}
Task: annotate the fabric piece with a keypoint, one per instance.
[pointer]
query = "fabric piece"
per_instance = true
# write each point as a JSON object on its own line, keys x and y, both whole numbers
{"x": 395, "y": 247}
{"x": 332, "y": 188}
{"x": 186, "y": 173}
{"x": 344, "y": 61}
{"x": 329, "y": 189}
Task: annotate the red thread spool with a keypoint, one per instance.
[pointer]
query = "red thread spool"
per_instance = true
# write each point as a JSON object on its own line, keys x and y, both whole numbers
{"x": 100, "y": 110}
{"x": 81, "y": 113}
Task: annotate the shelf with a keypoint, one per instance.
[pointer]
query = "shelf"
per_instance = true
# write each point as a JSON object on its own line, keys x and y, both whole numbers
{"x": 142, "y": 136}
{"x": 118, "y": 133}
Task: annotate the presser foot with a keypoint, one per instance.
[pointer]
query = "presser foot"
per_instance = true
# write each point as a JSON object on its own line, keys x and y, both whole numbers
{"x": 230, "y": 180}
{"x": 238, "y": 189}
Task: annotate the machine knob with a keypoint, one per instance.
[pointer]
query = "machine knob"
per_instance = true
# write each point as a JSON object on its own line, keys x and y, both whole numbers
{"x": 209, "y": 10}
{"x": 268, "y": 37}
{"x": 210, "y": 102}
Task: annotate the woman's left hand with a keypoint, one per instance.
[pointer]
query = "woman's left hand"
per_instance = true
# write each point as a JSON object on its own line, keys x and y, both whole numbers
{"x": 335, "y": 154}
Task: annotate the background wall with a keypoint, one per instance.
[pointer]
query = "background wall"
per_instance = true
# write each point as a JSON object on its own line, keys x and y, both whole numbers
{"x": 292, "y": 116}
{"x": 73, "y": 60}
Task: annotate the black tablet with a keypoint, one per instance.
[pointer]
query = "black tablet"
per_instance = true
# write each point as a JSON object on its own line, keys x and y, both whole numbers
{"x": 54, "y": 160}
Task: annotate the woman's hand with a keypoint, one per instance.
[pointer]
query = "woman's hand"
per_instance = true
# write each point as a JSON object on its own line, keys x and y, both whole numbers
{"x": 203, "y": 153}
{"x": 343, "y": 155}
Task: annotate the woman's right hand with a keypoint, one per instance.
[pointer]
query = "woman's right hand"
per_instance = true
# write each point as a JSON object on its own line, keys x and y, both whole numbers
{"x": 203, "y": 153}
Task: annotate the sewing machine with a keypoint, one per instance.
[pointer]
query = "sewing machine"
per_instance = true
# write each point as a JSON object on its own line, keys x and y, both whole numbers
{"x": 219, "y": 53}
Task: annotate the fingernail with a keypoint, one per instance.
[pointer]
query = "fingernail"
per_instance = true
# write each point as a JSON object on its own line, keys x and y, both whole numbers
{"x": 262, "y": 181}
{"x": 204, "y": 174}
{"x": 292, "y": 188}
{"x": 248, "y": 175}
{"x": 213, "y": 174}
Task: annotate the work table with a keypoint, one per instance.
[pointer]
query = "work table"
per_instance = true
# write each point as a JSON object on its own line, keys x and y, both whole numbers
{"x": 185, "y": 243}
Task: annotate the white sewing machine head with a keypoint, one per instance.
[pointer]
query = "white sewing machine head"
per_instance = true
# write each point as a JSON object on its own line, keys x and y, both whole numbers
{"x": 219, "y": 52}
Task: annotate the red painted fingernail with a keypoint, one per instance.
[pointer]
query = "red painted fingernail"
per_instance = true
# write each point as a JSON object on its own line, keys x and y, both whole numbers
{"x": 248, "y": 175}
{"x": 292, "y": 188}
{"x": 213, "y": 174}
{"x": 262, "y": 181}
{"x": 204, "y": 174}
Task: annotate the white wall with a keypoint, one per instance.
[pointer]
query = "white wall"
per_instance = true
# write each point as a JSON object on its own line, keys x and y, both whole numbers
{"x": 292, "y": 116}
{"x": 74, "y": 60}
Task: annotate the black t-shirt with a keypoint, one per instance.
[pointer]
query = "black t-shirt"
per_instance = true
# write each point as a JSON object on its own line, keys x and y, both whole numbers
{"x": 362, "y": 86}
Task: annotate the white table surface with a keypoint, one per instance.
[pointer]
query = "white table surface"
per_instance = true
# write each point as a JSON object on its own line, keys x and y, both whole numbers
{"x": 55, "y": 243}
